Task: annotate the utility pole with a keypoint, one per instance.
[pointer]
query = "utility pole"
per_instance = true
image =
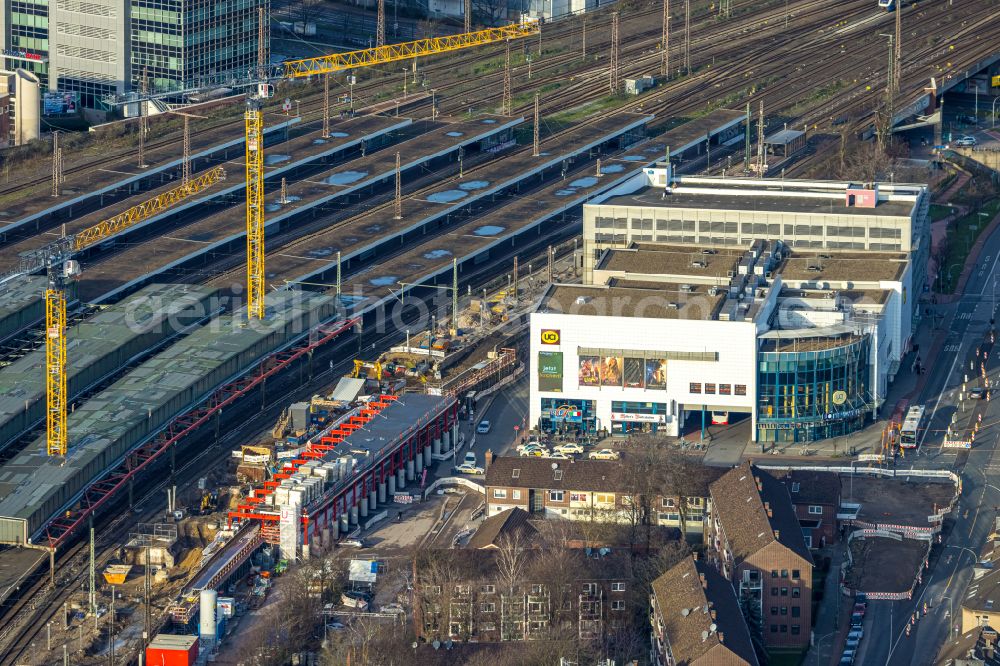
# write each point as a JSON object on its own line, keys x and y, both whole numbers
{"x": 898, "y": 57}
{"x": 467, "y": 13}
{"x": 261, "y": 44}
{"x": 111, "y": 629}
{"x": 57, "y": 166}
{"x": 535, "y": 143}
{"x": 746, "y": 137}
{"x": 687, "y": 36}
{"x": 186, "y": 160}
{"x": 613, "y": 68}
{"x": 147, "y": 588}
{"x": 142, "y": 119}
{"x": 397, "y": 204}
{"x": 584, "y": 54}
{"x": 284, "y": 191}
{"x": 326, "y": 106}
{"x": 552, "y": 256}
{"x": 507, "y": 100}
{"x": 761, "y": 160}
{"x": 380, "y": 26}
{"x": 665, "y": 42}
{"x": 338, "y": 273}
{"x": 515, "y": 279}
{"x": 454, "y": 296}
{"x": 92, "y": 597}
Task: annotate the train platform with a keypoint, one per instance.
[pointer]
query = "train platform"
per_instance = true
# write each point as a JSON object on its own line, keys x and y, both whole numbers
{"x": 307, "y": 201}
{"x": 228, "y": 560}
{"x": 89, "y": 189}
{"x": 16, "y": 566}
{"x": 347, "y": 136}
{"x": 365, "y": 235}
{"x": 472, "y": 240}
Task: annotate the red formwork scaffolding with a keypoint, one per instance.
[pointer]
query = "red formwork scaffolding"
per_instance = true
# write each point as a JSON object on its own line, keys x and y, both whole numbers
{"x": 60, "y": 527}
{"x": 388, "y": 460}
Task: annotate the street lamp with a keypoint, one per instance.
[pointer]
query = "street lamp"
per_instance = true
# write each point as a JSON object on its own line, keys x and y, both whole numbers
{"x": 820, "y": 642}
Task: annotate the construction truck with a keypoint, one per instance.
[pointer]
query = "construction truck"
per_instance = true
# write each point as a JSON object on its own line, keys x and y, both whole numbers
{"x": 209, "y": 502}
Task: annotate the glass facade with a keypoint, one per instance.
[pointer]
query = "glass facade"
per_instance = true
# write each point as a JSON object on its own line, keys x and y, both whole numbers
{"x": 29, "y": 31}
{"x": 560, "y": 415}
{"x": 182, "y": 43}
{"x": 812, "y": 388}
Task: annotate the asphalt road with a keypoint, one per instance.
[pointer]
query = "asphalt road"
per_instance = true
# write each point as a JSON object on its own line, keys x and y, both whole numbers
{"x": 967, "y": 321}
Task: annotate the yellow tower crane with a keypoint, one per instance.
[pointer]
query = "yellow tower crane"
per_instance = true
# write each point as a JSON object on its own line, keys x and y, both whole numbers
{"x": 336, "y": 62}
{"x": 57, "y": 436}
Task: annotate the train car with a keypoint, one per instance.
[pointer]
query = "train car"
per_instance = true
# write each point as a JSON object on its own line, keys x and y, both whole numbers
{"x": 888, "y": 5}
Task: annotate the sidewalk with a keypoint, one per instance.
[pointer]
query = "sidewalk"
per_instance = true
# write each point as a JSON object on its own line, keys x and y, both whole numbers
{"x": 830, "y": 626}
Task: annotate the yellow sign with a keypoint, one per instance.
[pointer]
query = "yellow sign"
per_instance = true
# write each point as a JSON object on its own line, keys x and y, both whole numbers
{"x": 996, "y": 81}
{"x": 550, "y": 336}
{"x": 839, "y": 397}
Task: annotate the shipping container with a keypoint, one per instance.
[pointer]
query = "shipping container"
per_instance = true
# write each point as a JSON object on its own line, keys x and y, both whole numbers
{"x": 172, "y": 650}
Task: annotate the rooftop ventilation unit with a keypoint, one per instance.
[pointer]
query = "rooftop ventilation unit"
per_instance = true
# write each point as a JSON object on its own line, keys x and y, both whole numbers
{"x": 699, "y": 264}
{"x": 686, "y": 288}
{"x": 582, "y": 300}
{"x": 709, "y": 251}
{"x": 713, "y": 291}
{"x": 814, "y": 268}
{"x": 674, "y": 306}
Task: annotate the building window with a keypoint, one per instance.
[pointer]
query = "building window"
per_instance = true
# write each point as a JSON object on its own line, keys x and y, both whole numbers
{"x": 774, "y": 591}
{"x": 774, "y": 610}
{"x": 578, "y": 497}
{"x": 774, "y": 573}
{"x": 499, "y": 493}
{"x": 795, "y": 630}
{"x": 809, "y": 540}
{"x": 710, "y": 388}
{"x": 537, "y": 589}
{"x": 796, "y": 592}
{"x": 516, "y": 473}
{"x": 774, "y": 628}
{"x": 488, "y": 589}
{"x": 784, "y": 628}
{"x": 694, "y": 387}
{"x": 795, "y": 574}
{"x": 740, "y": 389}
{"x": 516, "y": 494}
{"x": 667, "y": 502}
{"x": 535, "y": 607}
{"x": 617, "y": 587}
{"x": 796, "y": 611}
{"x": 461, "y": 589}
{"x": 488, "y": 607}
{"x": 557, "y": 475}
{"x": 604, "y": 498}
{"x": 796, "y": 486}
{"x": 555, "y": 496}
{"x": 784, "y": 573}
{"x": 784, "y": 610}
{"x": 784, "y": 591}
{"x": 618, "y": 604}
{"x": 590, "y": 589}
{"x": 815, "y": 510}
{"x": 725, "y": 389}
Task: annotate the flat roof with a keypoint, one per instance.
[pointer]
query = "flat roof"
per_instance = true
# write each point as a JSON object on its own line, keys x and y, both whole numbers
{"x": 409, "y": 411}
{"x": 896, "y": 501}
{"x": 697, "y": 129}
{"x": 984, "y": 593}
{"x": 783, "y": 137}
{"x": 768, "y": 195}
{"x": 647, "y": 300}
{"x": 825, "y": 265}
{"x": 655, "y": 259}
{"x": 860, "y": 296}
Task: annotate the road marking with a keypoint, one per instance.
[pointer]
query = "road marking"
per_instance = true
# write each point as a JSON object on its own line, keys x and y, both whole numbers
{"x": 944, "y": 388}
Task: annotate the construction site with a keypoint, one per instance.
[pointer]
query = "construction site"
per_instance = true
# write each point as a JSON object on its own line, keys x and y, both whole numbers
{"x": 250, "y": 336}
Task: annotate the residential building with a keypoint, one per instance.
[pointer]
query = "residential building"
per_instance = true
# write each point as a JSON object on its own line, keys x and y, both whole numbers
{"x": 509, "y": 524}
{"x": 816, "y": 498}
{"x": 978, "y": 647}
{"x": 756, "y": 542}
{"x": 696, "y": 620}
{"x": 464, "y": 598}
{"x": 102, "y": 48}
{"x": 594, "y": 490}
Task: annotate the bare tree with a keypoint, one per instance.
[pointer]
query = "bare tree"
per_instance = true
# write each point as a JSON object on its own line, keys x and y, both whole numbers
{"x": 512, "y": 559}
{"x": 489, "y": 12}
{"x": 306, "y": 10}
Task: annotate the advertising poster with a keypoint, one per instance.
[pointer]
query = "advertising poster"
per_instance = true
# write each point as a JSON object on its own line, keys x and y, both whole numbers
{"x": 550, "y": 371}
{"x": 590, "y": 374}
{"x": 633, "y": 372}
{"x": 656, "y": 373}
{"x": 611, "y": 371}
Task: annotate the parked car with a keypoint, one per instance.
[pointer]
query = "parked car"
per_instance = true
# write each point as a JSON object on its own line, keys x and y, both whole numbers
{"x": 859, "y": 609}
{"x": 977, "y": 393}
{"x": 529, "y": 447}
{"x": 354, "y": 600}
{"x": 392, "y": 608}
{"x": 857, "y": 634}
{"x": 559, "y": 456}
{"x": 466, "y": 468}
{"x": 569, "y": 448}
{"x": 353, "y": 543}
{"x": 965, "y": 141}
{"x": 852, "y": 643}
{"x": 538, "y": 453}
{"x": 483, "y": 427}
{"x": 470, "y": 458}
{"x": 849, "y": 654}
{"x": 857, "y": 621}
{"x": 604, "y": 454}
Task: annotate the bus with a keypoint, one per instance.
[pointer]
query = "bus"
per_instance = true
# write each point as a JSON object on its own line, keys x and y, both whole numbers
{"x": 909, "y": 433}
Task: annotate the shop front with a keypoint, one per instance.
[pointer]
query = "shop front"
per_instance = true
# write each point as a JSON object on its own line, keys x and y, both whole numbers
{"x": 632, "y": 418}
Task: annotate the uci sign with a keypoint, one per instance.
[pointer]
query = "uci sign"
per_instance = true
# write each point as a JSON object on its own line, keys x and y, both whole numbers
{"x": 550, "y": 336}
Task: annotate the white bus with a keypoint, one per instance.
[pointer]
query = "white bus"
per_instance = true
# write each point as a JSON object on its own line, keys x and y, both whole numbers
{"x": 909, "y": 434}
